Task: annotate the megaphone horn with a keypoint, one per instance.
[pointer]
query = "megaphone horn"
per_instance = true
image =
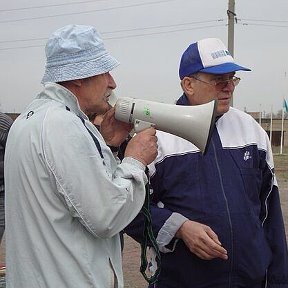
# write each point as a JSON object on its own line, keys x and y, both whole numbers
{"x": 193, "y": 123}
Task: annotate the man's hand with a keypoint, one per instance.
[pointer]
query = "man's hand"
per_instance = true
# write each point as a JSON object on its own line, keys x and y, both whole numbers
{"x": 201, "y": 240}
{"x": 114, "y": 131}
{"x": 143, "y": 146}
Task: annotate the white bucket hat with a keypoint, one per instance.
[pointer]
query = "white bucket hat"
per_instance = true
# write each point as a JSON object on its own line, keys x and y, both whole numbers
{"x": 76, "y": 52}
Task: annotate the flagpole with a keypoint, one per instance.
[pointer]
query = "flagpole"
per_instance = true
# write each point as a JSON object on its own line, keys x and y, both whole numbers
{"x": 282, "y": 128}
{"x": 285, "y": 110}
{"x": 271, "y": 120}
{"x": 260, "y": 116}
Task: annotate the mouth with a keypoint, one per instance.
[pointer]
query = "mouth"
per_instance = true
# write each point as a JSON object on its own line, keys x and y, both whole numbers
{"x": 107, "y": 95}
{"x": 225, "y": 98}
{"x": 112, "y": 98}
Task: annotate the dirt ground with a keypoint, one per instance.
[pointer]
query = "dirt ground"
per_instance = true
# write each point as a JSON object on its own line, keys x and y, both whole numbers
{"x": 131, "y": 253}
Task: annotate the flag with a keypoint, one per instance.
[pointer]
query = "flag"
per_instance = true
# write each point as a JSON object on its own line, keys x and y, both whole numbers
{"x": 285, "y": 105}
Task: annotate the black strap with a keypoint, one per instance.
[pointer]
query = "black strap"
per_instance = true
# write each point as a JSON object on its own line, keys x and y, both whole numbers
{"x": 148, "y": 236}
{"x": 92, "y": 135}
{"x": 94, "y": 138}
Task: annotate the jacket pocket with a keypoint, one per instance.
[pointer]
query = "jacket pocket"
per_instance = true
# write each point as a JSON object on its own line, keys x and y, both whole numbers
{"x": 252, "y": 179}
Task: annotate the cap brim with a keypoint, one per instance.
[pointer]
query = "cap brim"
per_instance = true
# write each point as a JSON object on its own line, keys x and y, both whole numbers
{"x": 224, "y": 68}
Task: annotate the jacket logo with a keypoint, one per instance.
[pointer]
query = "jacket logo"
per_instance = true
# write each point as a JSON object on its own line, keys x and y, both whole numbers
{"x": 30, "y": 113}
{"x": 247, "y": 156}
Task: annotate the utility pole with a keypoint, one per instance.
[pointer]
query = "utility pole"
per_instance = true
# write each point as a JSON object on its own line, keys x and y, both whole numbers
{"x": 231, "y": 19}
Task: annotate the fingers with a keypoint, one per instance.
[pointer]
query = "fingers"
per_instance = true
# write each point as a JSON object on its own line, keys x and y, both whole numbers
{"x": 110, "y": 119}
{"x": 109, "y": 115}
{"x": 149, "y": 131}
{"x": 212, "y": 235}
{"x": 201, "y": 240}
{"x": 208, "y": 256}
{"x": 208, "y": 248}
{"x": 114, "y": 131}
{"x": 143, "y": 146}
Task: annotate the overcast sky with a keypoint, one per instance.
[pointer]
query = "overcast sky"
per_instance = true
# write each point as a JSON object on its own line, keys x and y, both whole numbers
{"x": 148, "y": 37}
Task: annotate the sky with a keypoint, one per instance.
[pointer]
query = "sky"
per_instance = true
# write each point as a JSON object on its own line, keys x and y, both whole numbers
{"x": 148, "y": 38}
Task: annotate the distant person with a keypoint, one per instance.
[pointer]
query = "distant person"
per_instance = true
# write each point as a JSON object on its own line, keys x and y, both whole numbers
{"x": 69, "y": 196}
{"x": 5, "y": 124}
{"x": 217, "y": 217}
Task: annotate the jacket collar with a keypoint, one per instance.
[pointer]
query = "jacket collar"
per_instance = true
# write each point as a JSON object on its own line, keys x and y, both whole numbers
{"x": 183, "y": 100}
{"x": 56, "y": 92}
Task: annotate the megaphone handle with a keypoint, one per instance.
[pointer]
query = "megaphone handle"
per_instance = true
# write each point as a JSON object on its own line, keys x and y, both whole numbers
{"x": 140, "y": 125}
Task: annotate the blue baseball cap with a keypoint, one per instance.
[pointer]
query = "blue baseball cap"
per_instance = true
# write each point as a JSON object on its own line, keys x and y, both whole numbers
{"x": 76, "y": 52}
{"x": 209, "y": 55}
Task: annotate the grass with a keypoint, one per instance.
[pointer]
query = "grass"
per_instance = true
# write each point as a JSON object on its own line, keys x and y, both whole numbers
{"x": 281, "y": 164}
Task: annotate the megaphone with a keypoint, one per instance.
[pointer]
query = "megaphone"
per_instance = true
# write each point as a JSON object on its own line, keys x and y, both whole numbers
{"x": 193, "y": 123}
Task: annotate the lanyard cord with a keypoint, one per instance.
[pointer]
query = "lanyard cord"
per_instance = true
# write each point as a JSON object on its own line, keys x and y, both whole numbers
{"x": 148, "y": 236}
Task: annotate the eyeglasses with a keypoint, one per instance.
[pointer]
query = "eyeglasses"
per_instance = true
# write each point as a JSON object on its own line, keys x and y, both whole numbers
{"x": 220, "y": 84}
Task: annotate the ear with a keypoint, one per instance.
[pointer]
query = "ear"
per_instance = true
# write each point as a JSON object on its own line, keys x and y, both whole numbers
{"x": 187, "y": 85}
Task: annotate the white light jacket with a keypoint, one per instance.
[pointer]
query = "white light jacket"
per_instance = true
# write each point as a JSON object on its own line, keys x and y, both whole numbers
{"x": 65, "y": 205}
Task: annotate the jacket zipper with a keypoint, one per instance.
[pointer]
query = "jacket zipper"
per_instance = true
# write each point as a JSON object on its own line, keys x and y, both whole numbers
{"x": 228, "y": 213}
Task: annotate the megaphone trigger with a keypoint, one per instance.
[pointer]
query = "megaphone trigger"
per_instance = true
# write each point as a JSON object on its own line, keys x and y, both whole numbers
{"x": 140, "y": 125}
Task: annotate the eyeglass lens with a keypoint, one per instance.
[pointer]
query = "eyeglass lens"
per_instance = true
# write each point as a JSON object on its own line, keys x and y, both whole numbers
{"x": 224, "y": 83}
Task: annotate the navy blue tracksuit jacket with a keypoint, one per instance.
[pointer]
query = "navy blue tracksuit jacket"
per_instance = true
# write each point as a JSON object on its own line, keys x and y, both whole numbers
{"x": 233, "y": 190}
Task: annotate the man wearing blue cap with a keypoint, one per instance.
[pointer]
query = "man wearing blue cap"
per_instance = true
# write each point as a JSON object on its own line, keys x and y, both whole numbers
{"x": 68, "y": 197}
{"x": 217, "y": 217}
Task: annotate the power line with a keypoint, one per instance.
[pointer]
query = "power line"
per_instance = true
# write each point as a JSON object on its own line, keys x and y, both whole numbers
{"x": 48, "y": 6}
{"x": 263, "y": 25}
{"x": 22, "y": 47}
{"x": 164, "y": 26}
{"x": 125, "y": 30}
{"x": 262, "y": 20}
{"x": 162, "y": 32}
{"x": 265, "y": 22}
{"x": 124, "y": 36}
{"x": 22, "y": 40}
{"x": 85, "y": 12}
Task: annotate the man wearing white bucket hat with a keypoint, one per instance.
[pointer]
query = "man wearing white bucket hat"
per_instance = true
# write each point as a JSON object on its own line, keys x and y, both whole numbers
{"x": 69, "y": 197}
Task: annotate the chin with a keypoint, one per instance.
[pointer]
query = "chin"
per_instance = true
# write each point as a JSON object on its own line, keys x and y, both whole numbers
{"x": 222, "y": 110}
{"x": 103, "y": 109}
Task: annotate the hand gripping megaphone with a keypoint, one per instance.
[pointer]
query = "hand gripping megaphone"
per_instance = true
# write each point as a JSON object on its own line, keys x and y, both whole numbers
{"x": 193, "y": 123}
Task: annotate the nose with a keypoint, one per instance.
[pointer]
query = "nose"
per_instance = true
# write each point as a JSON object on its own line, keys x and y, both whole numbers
{"x": 111, "y": 83}
{"x": 229, "y": 85}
